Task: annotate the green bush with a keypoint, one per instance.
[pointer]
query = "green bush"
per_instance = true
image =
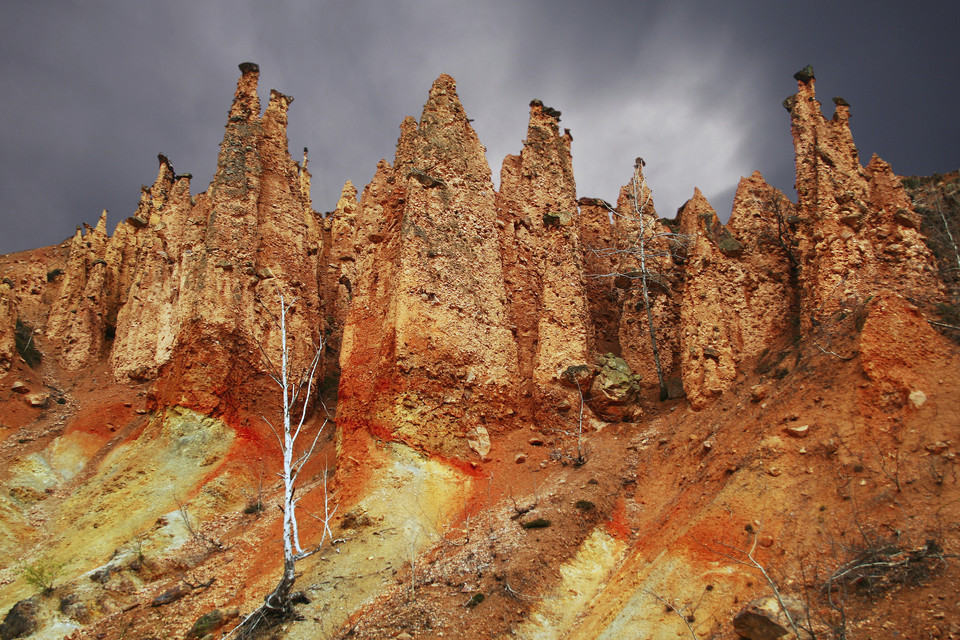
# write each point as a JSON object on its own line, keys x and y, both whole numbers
{"x": 42, "y": 574}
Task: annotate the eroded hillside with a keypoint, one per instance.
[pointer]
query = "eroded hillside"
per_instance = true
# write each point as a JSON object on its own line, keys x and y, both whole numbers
{"x": 545, "y": 416}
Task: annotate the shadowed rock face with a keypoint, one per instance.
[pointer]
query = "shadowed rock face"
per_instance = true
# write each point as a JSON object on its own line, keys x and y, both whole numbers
{"x": 858, "y": 233}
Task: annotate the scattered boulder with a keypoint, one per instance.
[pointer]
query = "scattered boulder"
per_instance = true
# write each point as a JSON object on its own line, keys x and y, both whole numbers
{"x": 38, "y": 400}
{"x": 801, "y": 431}
{"x": 479, "y": 440}
{"x": 355, "y": 519}
{"x": 578, "y": 376}
{"x": 758, "y": 392}
{"x": 615, "y": 391}
{"x": 917, "y": 398}
{"x": 170, "y": 595}
{"x": 20, "y": 387}
{"x": 21, "y": 620}
{"x": 74, "y": 608}
{"x": 764, "y": 619}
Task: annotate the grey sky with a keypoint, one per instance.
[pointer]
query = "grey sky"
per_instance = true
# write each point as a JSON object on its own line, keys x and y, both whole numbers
{"x": 94, "y": 90}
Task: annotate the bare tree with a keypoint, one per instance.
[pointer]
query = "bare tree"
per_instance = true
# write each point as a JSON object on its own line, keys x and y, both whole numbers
{"x": 297, "y": 389}
{"x": 937, "y": 201}
{"x": 748, "y": 558}
{"x": 778, "y": 215}
{"x": 640, "y": 252}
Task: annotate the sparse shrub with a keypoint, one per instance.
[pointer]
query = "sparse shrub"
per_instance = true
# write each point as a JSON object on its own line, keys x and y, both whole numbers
{"x": 584, "y": 505}
{"x": 42, "y": 574}
{"x": 877, "y": 568}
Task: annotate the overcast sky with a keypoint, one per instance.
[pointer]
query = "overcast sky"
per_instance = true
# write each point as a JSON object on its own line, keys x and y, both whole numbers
{"x": 93, "y": 90}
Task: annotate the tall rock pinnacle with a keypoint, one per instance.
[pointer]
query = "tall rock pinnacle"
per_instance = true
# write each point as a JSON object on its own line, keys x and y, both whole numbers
{"x": 859, "y": 234}
{"x": 542, "y": 256}
{"x": 185, "y": 283}
{"x": 427, "y": 355}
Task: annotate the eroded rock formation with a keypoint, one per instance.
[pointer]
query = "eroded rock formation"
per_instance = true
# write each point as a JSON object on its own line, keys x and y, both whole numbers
{"x": 185, "y": 288}
{"x": 542, "y": 257}
{"x": 338, "y": 267}
{"x": 639, "y": 241}
{"x": 858, "y": 234}
{"x": 764, "y": 222}
{"x": 712, "y": 296}
{"x": 461, "y": 316}
{"x": 452, "y": 307}
{"x": 8, "y": 323}
{"x": 427, "y": 353}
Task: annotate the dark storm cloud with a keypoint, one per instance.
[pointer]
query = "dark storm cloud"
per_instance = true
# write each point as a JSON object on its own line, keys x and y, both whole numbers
{"x": 94, "y": 90}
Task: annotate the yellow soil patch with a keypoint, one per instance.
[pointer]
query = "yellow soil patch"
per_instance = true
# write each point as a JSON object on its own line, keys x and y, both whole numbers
{"x": 582, "y": 578}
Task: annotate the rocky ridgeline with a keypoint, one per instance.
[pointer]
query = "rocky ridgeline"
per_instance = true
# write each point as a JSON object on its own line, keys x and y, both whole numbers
{"x": 459, "y": 311}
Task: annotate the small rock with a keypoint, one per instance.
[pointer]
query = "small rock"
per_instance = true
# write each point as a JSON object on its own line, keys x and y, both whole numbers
{"x": 764, "y": 619}
{"x": 535, "y": 442}
{"x": 20, "y": 387}
{"x": 170, "y": 595}
{"x": 918, "y": 398}
{"x": 937, "y": 447}
{"x": 774, "y": 471}
{"x": 758, "y": 392}
{"x": 521, "y": 458}
{"x": 478, "y": 439}
{"x": 37, "y": 399}
{"x": 801, "y": 431}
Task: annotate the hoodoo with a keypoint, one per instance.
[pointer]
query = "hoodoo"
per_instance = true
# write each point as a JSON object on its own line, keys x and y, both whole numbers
{"x": 536, "y": 414}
